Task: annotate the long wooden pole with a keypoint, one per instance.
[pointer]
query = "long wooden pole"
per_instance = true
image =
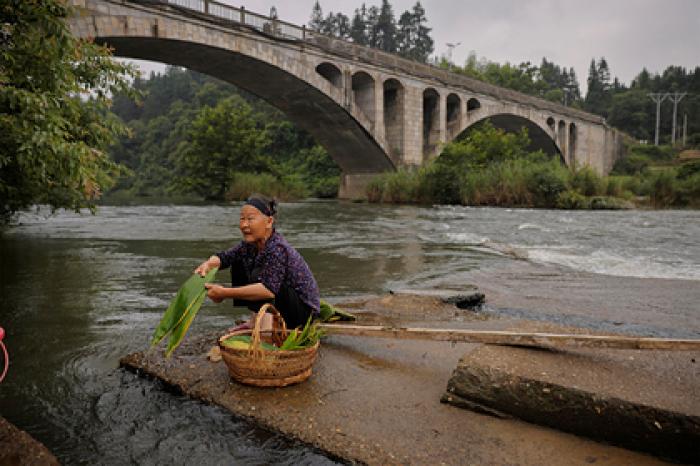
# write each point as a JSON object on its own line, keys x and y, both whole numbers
{"x": 515, "y": 338}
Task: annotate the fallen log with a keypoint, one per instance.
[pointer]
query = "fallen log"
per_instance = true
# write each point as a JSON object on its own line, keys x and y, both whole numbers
{"x": 515, "y": 338}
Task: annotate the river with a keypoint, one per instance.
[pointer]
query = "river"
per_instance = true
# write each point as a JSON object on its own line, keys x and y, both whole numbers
{"x": 80, "y": 291}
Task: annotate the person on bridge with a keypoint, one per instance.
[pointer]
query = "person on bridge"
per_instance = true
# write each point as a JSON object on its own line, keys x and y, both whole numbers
{"x": 265, "y": 268}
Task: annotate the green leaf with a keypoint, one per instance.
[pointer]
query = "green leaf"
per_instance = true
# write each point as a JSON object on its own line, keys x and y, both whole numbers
{"x": 185, "y": 300}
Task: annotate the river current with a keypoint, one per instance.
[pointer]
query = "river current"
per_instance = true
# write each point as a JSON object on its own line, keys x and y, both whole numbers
{"x": 80, "y": 291}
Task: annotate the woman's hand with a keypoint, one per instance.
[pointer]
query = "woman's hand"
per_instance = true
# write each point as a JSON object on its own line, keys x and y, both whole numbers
{"x": 215, "y": 292}
{"x": 207, "y": 265}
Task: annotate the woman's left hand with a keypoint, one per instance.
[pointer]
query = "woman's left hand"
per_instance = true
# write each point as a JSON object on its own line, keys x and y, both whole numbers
{"x": 215, "y": 292}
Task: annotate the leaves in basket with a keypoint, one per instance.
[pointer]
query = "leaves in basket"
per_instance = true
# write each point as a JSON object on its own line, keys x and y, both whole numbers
{"x": 182, "y": 311}
{"x": 307, "y": 338}
{"x": 244, "y": 342}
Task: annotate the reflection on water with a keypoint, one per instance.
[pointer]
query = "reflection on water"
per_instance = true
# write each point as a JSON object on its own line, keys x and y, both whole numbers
{"x": 80, "y": 291}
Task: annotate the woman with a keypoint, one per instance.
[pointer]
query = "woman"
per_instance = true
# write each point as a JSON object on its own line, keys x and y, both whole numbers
{"x": 265, "y": 268}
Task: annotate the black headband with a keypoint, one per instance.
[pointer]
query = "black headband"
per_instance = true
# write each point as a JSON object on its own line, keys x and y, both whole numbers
{"x": 262, "y": 206}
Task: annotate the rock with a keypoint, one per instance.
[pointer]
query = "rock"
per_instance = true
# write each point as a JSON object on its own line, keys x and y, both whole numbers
{"x": 466, "y": 301}
{"x": 647, "y": 402}
{"x": 18, "y": 447}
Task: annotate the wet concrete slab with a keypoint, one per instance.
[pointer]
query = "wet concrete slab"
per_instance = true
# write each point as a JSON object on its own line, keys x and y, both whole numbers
{"x": 643, "y": 400}
{"x": 18, "y": 448}
{"x": 377, "y": 401}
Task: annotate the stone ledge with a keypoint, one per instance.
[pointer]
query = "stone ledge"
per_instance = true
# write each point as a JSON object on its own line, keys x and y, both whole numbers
{"x": 645, "y": 401}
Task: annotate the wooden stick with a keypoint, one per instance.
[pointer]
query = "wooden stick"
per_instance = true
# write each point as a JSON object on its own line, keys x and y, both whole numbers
{"x": 514, "y": 338}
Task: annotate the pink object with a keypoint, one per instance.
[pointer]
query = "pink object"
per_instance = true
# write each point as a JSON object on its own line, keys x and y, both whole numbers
{"x": 7, "y": 356}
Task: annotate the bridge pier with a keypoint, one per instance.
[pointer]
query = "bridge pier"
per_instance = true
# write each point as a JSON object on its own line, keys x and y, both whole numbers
{"x": 354, "y": 185}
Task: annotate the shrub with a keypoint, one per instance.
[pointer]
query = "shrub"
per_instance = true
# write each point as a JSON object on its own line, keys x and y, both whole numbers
{"x": 546, "y": 181}
{"x": 631, "y": 164}
{"x": 401, "y": 186}
{"x": 440, "y": 184}
{"x": 286, "y": 189}
{"x": 572, "y": 200}
{"x": 613, "y": 186}
{"x": 587, "y": 182}
{"x": 606, "y": 203}
{"x": 689, "y": 190}
{"x": 662, "y": 188}
{"x": 375, "y": 189}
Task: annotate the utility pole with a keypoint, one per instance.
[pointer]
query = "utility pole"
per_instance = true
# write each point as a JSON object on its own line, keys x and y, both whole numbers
{"x": 675, "y": 98}
{"x": 451, "y": 47}
{"x": 658, "y": 98}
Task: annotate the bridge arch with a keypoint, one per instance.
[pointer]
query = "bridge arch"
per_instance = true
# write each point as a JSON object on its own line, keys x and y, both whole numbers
{"x": 394, "y": 115}
{"x": 540, "y": 136}
{"x": 573, "y": 135}
{"x": 453, "y": 110}
{"x": 561, "y": 137}
{"x": 331, "y": 73}
{"x": 431, "y": 120}
{"x": 363, "y": 93}
{"x": 473, "y": 105}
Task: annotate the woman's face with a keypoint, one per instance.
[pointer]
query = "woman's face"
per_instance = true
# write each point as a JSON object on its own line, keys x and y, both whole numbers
{"x": 254, "y": 225}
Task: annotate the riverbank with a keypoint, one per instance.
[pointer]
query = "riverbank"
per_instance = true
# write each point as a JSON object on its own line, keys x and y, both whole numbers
{"x": 377, "y": 401}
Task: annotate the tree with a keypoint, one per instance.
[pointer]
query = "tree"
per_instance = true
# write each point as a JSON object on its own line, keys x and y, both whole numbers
{"x": 316, "y": 22}
{"x": 424, "y": 44}
{"x": 358, "y": 28}
{"x": 413, "y": 36}
{"x": 54, "y": 118}
{"x": 225, "y": 140}
{"x": 599, "y": 96}
{"x": 373, "y": 34}
{"x": 386, "y": 28}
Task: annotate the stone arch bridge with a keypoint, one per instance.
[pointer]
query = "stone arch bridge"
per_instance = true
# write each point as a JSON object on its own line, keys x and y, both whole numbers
{"x": 372, "y": 111}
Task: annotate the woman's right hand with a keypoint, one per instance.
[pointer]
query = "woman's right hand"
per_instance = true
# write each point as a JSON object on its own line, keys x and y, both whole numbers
{"x": 207, "y": 265}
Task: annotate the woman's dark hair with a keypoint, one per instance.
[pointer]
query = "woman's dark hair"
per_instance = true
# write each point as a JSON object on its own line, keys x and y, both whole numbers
{"x": 264, "y": 204}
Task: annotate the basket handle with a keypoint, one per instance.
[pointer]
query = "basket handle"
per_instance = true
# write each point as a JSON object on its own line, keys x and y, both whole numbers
{"x": 279, "y": 329}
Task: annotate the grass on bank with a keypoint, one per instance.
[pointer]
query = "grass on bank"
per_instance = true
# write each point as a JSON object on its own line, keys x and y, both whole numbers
{"x": 494, "y": 168}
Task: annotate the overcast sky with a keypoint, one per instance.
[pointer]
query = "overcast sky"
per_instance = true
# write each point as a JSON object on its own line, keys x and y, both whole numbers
{"x": 630, "y": 34}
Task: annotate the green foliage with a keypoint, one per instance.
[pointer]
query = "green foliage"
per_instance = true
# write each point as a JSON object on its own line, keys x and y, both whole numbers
{"x": 192, "y": 134}
{"x": 54, "y": 118}
{"x": 182, "y": 310}
{"x": 330, "y": 313}
{"x": 548, "y": 81}
{"x": 242, "y": 184}
{"x": 304, "y": 338}
{"x": 662, "y": 188}
{"x": 225, "y": 140}
{"x": 490, "y": 167}
{"x": 572, "y": 200}
{"x": 587, "y": 182}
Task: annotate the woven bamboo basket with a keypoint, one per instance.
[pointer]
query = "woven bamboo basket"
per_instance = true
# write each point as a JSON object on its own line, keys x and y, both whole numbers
{"x": 261, "y": 368}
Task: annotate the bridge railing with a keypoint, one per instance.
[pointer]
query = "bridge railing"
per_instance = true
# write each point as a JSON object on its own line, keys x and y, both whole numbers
{"x": 266, "y": 24}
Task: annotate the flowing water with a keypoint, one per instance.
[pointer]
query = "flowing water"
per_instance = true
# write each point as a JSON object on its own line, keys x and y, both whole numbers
{"x": 80, "y": 291}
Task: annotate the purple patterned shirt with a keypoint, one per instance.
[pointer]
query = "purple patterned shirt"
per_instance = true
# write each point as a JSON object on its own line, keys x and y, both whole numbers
{"x": 278, "y": 263}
